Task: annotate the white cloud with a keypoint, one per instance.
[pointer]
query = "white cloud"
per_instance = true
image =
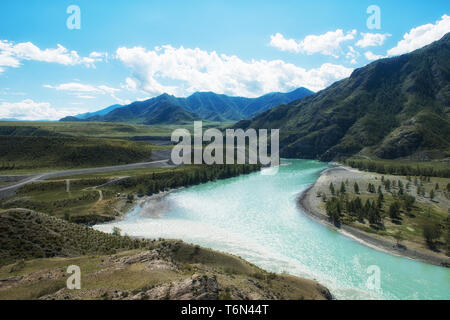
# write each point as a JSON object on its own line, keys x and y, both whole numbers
{"x": 31, "y": 110}
{"x": 120, "y": 100}
{"x": 372, "y": 39}
{"x": 6, "y": 60}
{"x": 327, "y": 44}
{"x": 421, "y": 36}
{"x": 182, "y": 71}
{"x": 76, "y": 87}
{"x": 107, "y": 89}
{"x": 82, "y": 96}
{"x": 98, "y": 56}
{"x": 371, "y": 56}
{"x": 130, "y": 84}
{"x": 12, "y": 54}
{"x": 352, "y": 55}
{"x": 87, "y": 91}
{"x": 280, "y": 42}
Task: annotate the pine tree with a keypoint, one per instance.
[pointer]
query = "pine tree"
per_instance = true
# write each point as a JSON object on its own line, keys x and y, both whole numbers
{"x": 394, "y": 210}
{"x": 387, "y": 185}
{"x": 333, "y": 208}
{"x": 356, "y": 187}
{"x": 342, "y": 188}
{"x": 432, "y": 232}
{"x": 380, "y": 201}
{"x": 333, "y": 191}
{"x": 398, "y": 236}
{"x": 408, "y": 202}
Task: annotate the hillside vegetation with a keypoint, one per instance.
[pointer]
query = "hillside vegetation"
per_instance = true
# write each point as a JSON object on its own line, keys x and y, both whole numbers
{"x": 55, "y": 151}
{"x": 26, "y": 234}
{"x": 155, "y": 269}
{"x": 392, "y": 108}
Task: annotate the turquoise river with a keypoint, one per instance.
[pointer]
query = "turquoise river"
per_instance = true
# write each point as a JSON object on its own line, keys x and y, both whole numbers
{"x": 256, "y": 218}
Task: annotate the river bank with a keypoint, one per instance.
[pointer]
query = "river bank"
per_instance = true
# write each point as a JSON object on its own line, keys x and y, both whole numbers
{"x": 313, "y": 206}
{"x": 255, "y": 217}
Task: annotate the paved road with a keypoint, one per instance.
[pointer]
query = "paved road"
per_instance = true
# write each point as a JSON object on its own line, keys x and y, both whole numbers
{"x": 10, "y": 189}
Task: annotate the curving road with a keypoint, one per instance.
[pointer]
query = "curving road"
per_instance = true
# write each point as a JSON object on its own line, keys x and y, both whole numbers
{"x": 10, "y": 189}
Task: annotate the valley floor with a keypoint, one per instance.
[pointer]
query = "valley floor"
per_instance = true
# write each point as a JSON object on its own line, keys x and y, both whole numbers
{"x": 412, "y": 244}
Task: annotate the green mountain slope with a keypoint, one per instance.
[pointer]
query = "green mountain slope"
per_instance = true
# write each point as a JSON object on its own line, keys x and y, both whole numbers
{"x": 217, "y": 107}
{"x": 164, "y": 109}
{"x": 392, "y": 108}
{"x": 101, "y": 112}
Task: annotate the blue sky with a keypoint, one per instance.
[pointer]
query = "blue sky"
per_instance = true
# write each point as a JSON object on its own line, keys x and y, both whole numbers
{"x": 133, "y": 50}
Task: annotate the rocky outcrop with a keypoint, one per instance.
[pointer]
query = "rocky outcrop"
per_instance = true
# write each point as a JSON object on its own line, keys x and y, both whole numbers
{"x": 197, "y": 287}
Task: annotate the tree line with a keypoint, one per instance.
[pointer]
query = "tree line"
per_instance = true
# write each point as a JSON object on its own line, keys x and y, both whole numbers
{"x": 399, "y": 170}
{"x": 150, "y": 184}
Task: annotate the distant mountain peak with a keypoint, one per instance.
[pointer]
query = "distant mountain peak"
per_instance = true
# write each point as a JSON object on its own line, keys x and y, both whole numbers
{"x": 200, "y": 105}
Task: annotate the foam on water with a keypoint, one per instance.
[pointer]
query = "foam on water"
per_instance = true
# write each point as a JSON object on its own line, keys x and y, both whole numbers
{"x": 255, "y": 217}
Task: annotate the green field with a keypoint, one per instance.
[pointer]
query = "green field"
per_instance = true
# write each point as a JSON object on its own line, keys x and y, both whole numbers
{"x": 102, "y": 129}
{"x": 23, "y": 154}
{"x": 33, "y": 147}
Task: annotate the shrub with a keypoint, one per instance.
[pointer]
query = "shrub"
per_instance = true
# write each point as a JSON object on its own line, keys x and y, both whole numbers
{"x": 431, "y": 232}
{"x": 394, "y": 210}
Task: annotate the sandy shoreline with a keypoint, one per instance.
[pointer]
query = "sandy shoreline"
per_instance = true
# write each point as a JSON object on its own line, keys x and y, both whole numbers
{"x": 308, "y": 203}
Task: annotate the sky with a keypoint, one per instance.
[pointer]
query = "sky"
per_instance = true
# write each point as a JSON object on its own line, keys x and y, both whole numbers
{"x": 60, "y": 58}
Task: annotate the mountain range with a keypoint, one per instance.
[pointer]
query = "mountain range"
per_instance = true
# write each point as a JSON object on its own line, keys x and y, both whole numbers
{"x": 101, "y": 112}
{"x": 393, "y": 108}
{"x": 168, "y": 109}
